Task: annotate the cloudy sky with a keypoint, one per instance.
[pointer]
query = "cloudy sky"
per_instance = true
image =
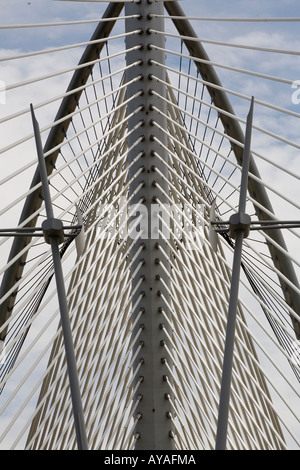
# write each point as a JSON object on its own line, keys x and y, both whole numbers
{"x": 269, "y": 35}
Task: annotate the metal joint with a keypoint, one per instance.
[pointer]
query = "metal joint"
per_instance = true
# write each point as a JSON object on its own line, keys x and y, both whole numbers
{"x": 239, "y": 222}
{"x": 53, "y": 228}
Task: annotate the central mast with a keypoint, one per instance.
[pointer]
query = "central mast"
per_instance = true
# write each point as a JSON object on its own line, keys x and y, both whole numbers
{"x": 154, "y": 429}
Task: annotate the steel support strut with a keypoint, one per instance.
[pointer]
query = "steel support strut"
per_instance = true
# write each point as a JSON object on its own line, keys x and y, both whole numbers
{"x": 154, "y": 428}
{"x": 240, "y": 224}
{"x": 53, "y": 232}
